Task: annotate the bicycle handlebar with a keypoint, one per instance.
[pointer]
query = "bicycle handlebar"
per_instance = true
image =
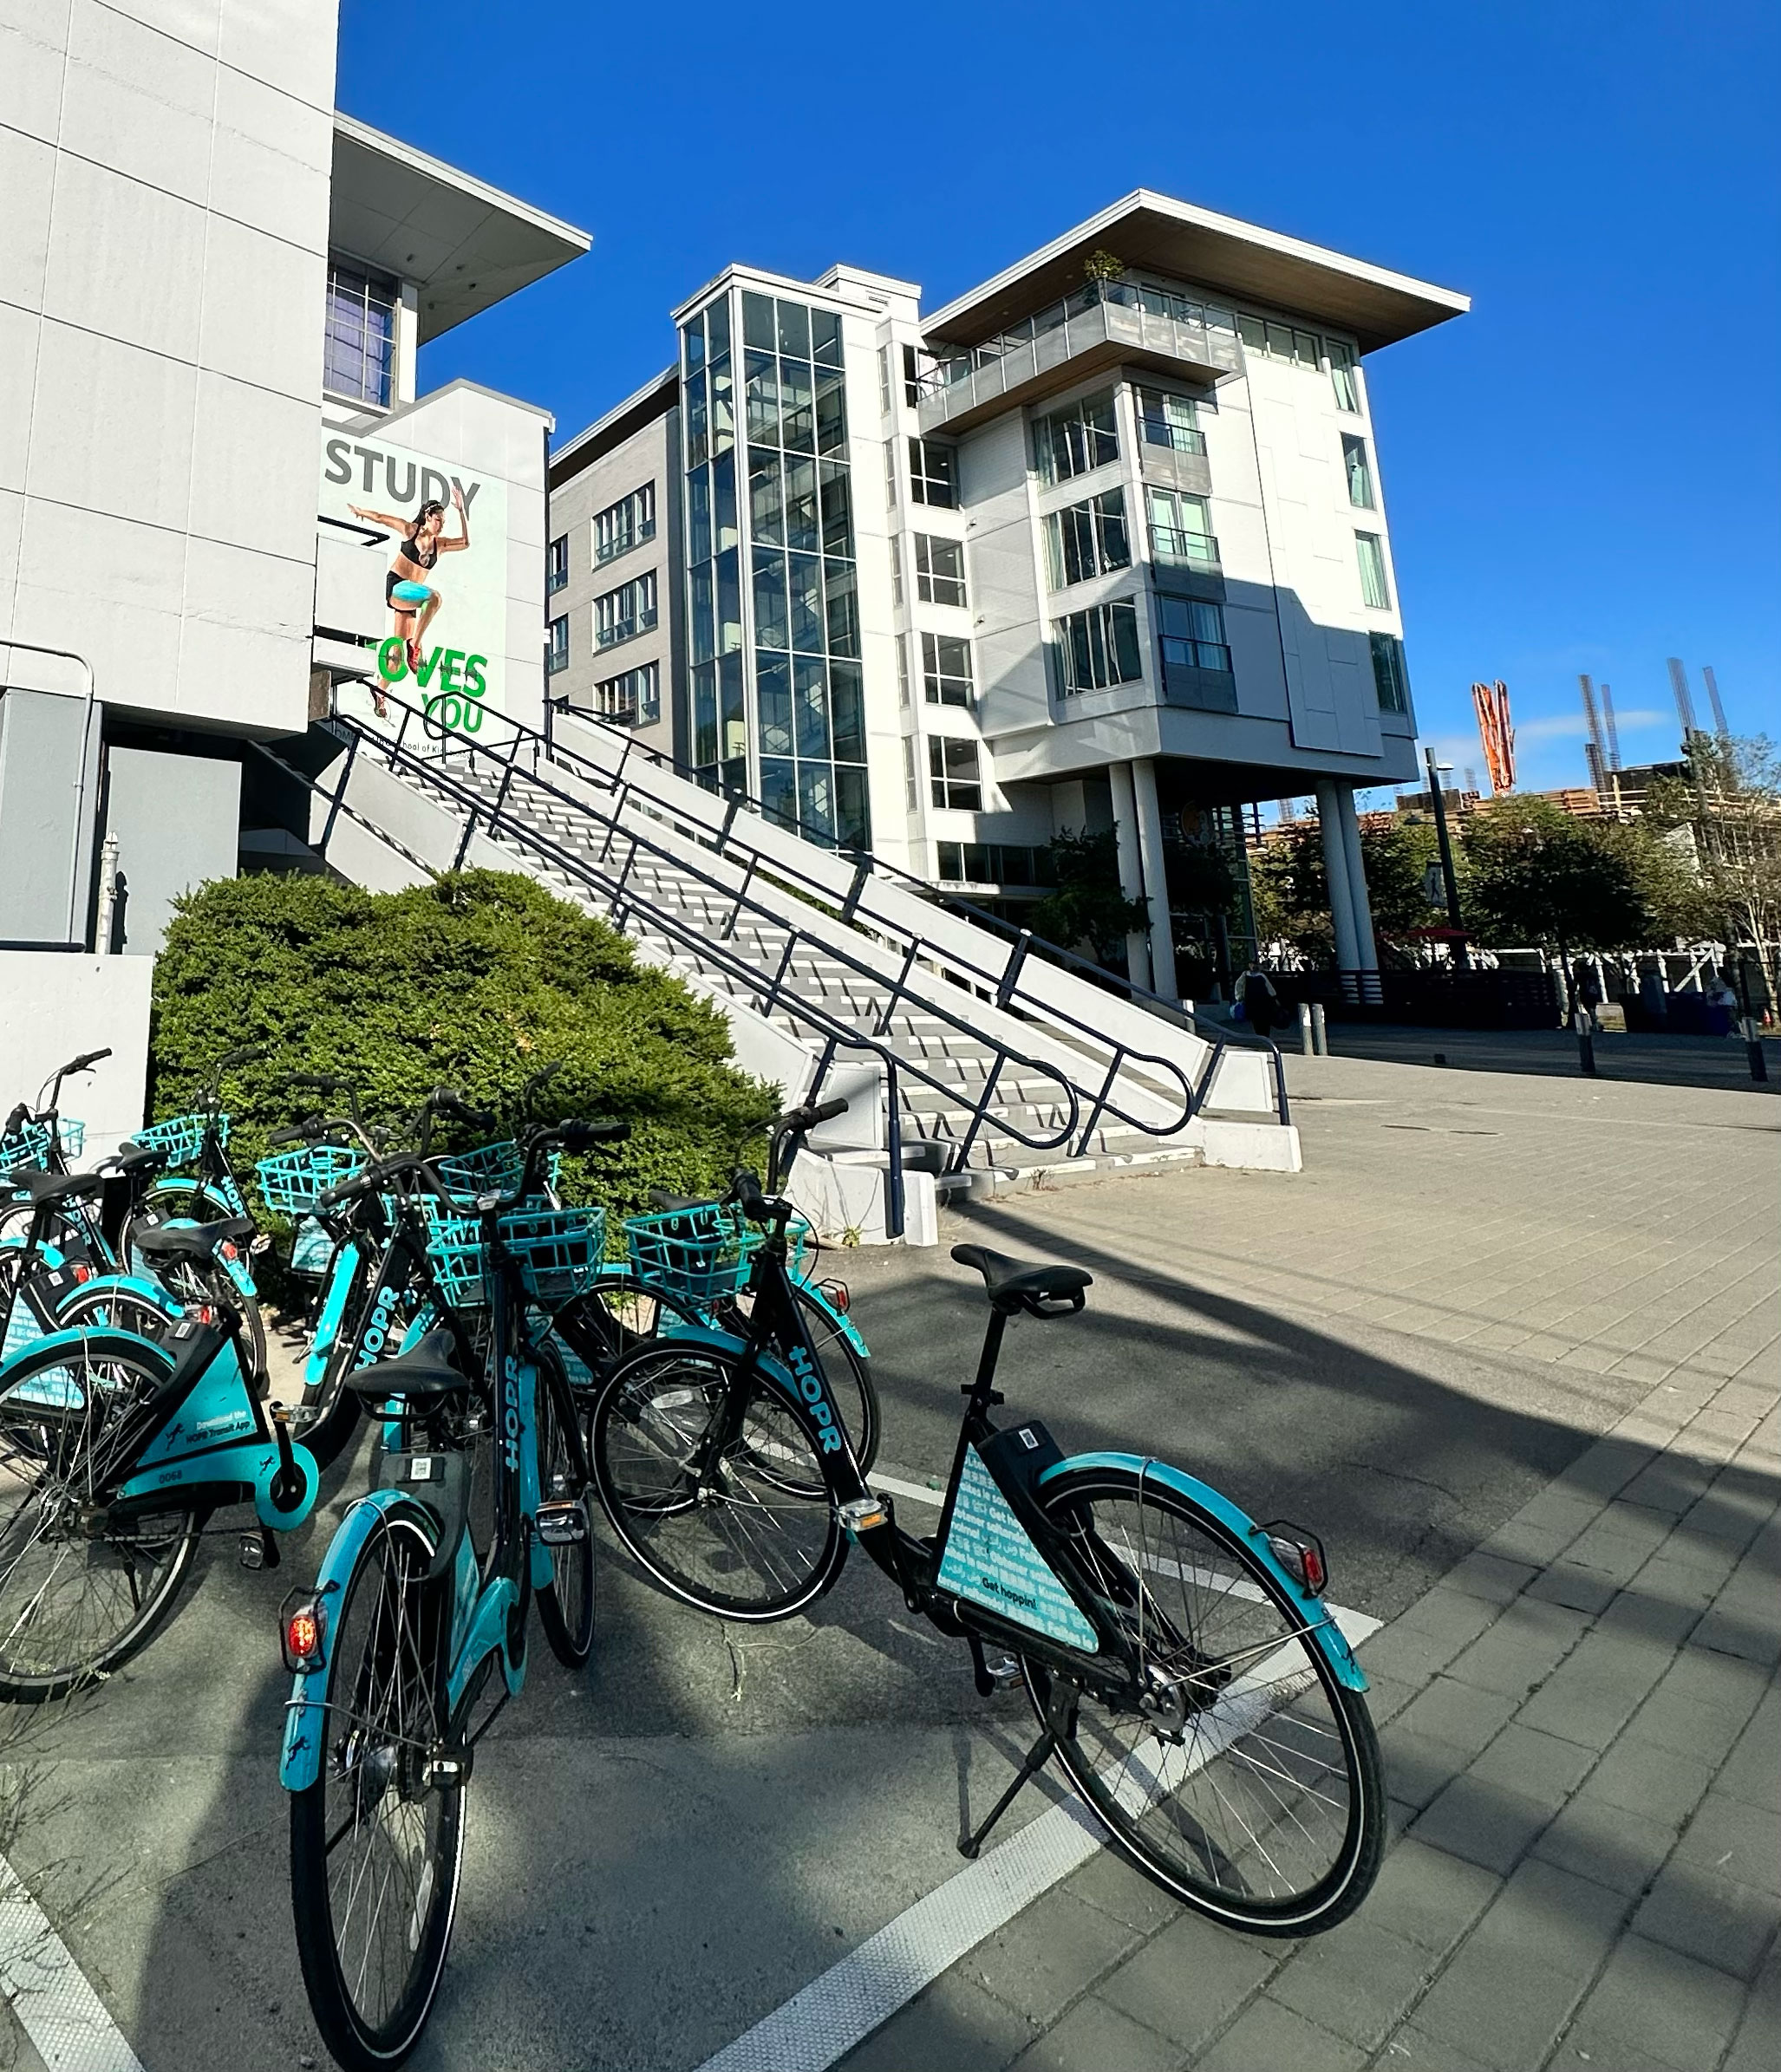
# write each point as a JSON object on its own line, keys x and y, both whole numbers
{"x": 81, "y": 1064}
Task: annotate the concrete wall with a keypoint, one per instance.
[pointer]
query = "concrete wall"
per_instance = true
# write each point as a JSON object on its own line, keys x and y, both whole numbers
{"x": 50, "y": 765}
{"x": 52, "y": 1008}
{"x": 164, "y": 166}
{"x": 176, "y": 818}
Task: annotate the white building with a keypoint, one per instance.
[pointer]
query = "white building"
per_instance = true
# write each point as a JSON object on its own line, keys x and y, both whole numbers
{"x": 207, "y": 275}
{"x": 1100, "y": 544}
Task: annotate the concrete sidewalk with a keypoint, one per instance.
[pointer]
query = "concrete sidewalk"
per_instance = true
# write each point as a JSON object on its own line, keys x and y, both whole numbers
{"x": 1582, "y": 1729}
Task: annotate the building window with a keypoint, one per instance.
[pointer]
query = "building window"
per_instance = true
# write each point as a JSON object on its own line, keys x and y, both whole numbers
{"x": 1181, "y": 532}
{"x": 1193, "y": 634}
{"x": 1099, "y": 647}
{"x": 933, "y": 473}
{"x": 1083, "y": 435}
{"x": 911, "y": 376}
{"x": 557, "y": 646}
{"x": 946, "y": 669}
{"x": 940, "y": 570}
{"x": 625, "y": 525}
{"x": 911, "y": 794}
{"x": 896, "y": 548}
{"x": 1359, "y": 473}
{"x": 890, "y": 474}
{"x": 1375, "y": 591}
{"x": 624, "y": 613}
{"x": 957, "y": 784}
{"x": 1344, "y": 376}
{"x": 902, "y": 671}
{"x": 993, "y": 864}
{"x": 1087, "y": 539}
{"x": 1389, "y": 679}
{"x": 883, "y": 381}
{"x": 1166, "y": 418}
{"x": 1280, "y": 341}
{"x": 631, "y": 698}
{"x": 557, "y": 566}
{"x": 358, "y": 350}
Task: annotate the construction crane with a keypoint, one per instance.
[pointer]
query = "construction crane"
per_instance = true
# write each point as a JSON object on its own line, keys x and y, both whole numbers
{"x": 1613, "y": 738}
{"x": 1595, "y": 748}
{"x": 1491, "y": 702}
{"x": 1713, "y": 699}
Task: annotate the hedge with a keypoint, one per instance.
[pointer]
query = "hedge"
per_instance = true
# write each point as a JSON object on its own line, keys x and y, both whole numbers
{"x": 472, "y": 982}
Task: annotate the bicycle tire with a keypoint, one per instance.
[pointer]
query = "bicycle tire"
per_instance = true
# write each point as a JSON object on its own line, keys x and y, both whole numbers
{"x": 649, "y": 1422}
{"x": 64, "y": 1431}
{"x": 1251, "y": 1737}
{"x": 386, "y": 1715}
{"x": 848, "y": 1373}
{"x": 115, "y": 1309}
{"x": 619, "y": 1315}
{"x": 565, "y": 1604}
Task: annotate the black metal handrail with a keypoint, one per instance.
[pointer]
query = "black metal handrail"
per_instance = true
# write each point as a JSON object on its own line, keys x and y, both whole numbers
{"x": 495, "y": 817}
{"x": 996, "y": 985}
{"x": 1123, "y": 1055}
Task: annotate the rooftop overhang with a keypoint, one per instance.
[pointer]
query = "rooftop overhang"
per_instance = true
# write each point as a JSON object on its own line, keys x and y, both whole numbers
{"x": 1152, "y": 233}
{"x": 465, "y": 245}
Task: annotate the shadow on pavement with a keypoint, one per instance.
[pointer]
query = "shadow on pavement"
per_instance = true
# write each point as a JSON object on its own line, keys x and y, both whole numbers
{"x": 1718, "y": 1061}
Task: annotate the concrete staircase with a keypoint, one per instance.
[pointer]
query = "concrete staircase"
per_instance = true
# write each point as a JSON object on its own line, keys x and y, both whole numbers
{"x": 970, "y": 1063}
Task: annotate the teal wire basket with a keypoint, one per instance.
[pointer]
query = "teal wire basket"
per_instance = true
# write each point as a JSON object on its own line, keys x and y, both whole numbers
{"x": 490, "y": 1169}
{"x": 291, "y": 1182}
{"x": 25, "y": 1149}
{"x": 559, "y": 1252}
{"x": 181, "y": 1136}
{"x": 703, "y": 1255}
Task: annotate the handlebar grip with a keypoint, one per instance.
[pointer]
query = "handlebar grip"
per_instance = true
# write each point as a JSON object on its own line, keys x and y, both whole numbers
{"x": 17, "y": 1121}
{"x": 320, "y": 1082}
{"x": 581, "y": 1136}
{"x": 827, "y": 1112}
{"x": 296, "y": 1134}
{"x": 745, "y": 1189}
{"x": 240, "y": 1055}
{"x": 86, "y": 1058}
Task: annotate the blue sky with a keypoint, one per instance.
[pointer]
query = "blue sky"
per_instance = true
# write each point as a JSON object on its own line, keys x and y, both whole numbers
{"x": 1581, "y": 475}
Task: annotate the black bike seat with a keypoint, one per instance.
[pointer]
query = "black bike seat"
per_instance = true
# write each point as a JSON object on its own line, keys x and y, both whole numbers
{"x": 131, "y": 1157}
{"x": 50, "y": 1190}
{"x": 423, "y": 1375}
{"x": 195, "y": 1241}
{"x": 1017, "y": 1284}
{"x": 665, "y": 1199}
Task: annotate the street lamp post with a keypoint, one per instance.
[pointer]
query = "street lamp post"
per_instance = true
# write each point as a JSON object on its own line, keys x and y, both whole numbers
{"x": 1461, "y": 961}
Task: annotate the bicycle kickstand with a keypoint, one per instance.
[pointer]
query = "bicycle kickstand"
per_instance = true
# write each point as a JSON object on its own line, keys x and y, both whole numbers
{"x": 1038, "y": 1756}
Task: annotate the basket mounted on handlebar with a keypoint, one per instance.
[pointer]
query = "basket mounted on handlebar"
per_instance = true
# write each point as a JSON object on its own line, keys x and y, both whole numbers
{"x": 28, "y": 1146}
{"x": 180, "y": 1137}
{"x": 290, "y": 1181}
{"x": 703, "y": 1255}
{"x": 490, "y": 1169}
{"x": 559, "y": 1251}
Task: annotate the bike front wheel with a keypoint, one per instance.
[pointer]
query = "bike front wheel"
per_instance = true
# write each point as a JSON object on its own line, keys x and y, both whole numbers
{"x": 1247, "y": 1780}
{"x": 377, "y": 1840}
{"x": 565, "y": 1605}
{"x": 84, "y": 1582}
{"x": 745, "y": 1528}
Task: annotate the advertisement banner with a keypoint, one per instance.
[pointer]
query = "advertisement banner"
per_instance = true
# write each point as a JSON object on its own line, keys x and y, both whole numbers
{"x": 441, "y": 533}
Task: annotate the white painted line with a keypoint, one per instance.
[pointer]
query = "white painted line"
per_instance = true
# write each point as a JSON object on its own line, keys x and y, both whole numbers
{"x": 66, "y": 2020}
{"x": 892, "y": 1487}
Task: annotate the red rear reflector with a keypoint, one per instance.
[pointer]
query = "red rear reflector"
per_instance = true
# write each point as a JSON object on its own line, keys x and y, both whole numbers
{"x": 1312, "y": 1563}
{"x": 302, "y": 1634}
{"x": 82, "y": 1272}
{"x": 840, "y": 1299}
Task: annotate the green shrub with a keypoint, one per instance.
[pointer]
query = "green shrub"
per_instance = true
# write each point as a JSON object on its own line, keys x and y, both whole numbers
{"x": 473, "y": 982}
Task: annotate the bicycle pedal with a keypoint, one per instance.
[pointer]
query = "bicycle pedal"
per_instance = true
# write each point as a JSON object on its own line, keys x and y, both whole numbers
{"x": 258, "y": 1550}
{"x": 1005, "y": 1671}
{"x": 562, "y": 1524}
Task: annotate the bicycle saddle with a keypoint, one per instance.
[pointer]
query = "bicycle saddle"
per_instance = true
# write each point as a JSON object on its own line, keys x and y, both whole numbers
{"x": 197, "y": 1242}
{"x": 50, "y": 1190}
{"x": 422, "y": 1375}
{"x": 1014, "y": 1284}
{"x": 131, "y": 1157}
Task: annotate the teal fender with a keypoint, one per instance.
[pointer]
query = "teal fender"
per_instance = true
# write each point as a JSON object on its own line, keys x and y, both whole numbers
{"x": 306, "y": 1714}
{"x": 1324, "y": 1630}
{"x": 98, "y": 1342}
{"x": 141, "y": 1285}
{"x": 327, "y": 1332}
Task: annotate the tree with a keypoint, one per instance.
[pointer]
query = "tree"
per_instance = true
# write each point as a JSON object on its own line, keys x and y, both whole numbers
{"x": 1728, "y": 809}
{"x": 1290, "y": 889}
{"x": 1088, "y": 911}
{"x": 1537, "y": 876}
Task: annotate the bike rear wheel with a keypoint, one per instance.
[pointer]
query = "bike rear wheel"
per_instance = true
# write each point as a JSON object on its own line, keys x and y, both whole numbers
{"x": 751, "y": 1535}
{"x": 83, "y": 1585}
{"x": 377, "y": 1840}
{"x": 1251, "y": 1788}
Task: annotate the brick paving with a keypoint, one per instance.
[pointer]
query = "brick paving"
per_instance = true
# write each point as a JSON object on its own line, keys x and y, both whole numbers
{"x": 1581, "y": 1721}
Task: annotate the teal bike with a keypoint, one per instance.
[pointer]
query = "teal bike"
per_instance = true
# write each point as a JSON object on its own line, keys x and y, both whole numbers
{"x": 415, "y": 1633}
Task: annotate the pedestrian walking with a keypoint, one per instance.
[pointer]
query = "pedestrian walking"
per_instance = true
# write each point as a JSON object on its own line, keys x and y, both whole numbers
{"x": 1261, "y": 1003}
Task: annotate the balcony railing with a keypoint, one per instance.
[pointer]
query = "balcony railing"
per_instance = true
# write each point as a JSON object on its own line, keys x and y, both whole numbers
{"x": 1184, "y": 438}
{"x": 1099, "y": 314}
{"x": 623, "y": 542}
{"x": 1173, "y": 548}
{"x": 624, "y": 630}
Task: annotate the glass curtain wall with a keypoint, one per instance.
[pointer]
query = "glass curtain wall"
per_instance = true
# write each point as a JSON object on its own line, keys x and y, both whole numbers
{"x": 793, "y": 690}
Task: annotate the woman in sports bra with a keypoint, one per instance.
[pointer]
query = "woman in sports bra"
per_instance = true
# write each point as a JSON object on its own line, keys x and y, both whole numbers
{"x": 414, "y": 603}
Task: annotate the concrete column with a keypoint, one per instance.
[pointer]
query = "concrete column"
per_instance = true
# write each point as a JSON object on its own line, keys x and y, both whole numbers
{"x": 1138, "y": 962}
{"x": 1357, "y": 890}
{"x": 1335, "y": 864}
{"x": 1156, "y": 882}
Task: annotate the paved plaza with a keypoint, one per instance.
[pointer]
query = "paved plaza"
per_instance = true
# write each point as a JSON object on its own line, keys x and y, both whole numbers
{"x": 1509, "y": 1343}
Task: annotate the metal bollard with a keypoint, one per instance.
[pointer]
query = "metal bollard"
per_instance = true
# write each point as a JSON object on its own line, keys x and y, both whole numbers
{"x": 1584, "y": 1023}
{"x": 1753, "y": 1050}
{"x": 1305, "y": 1043}
{"x": 1319, "y": 1031}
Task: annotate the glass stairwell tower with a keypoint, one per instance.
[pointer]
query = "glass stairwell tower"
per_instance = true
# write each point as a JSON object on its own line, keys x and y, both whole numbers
{"x": 773, "y": 608}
